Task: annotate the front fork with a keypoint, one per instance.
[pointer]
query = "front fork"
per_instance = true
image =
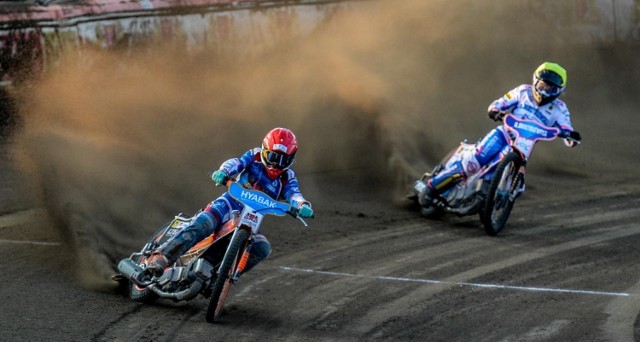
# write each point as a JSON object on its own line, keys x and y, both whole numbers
{"x": 518, "y": 184}
{"x": 242, "y": 263}
{"x": 244, "y": 257}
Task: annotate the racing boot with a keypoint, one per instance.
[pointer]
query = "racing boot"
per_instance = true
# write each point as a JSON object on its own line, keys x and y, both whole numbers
{"x": 425, "y": 198}
{"x": 157, "y": 263}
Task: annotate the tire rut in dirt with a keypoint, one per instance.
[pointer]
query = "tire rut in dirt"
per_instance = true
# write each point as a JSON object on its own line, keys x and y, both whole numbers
{"x": 149, "y": 323}
{"x": 429, "y": 243}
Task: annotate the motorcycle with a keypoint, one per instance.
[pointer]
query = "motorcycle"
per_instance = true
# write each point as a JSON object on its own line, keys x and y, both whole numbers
{"x": 492, "y": 191}
{"x": 211, "y": 266}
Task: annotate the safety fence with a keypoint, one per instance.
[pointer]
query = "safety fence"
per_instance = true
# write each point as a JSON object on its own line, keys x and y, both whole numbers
{"x": 33, "y": 35}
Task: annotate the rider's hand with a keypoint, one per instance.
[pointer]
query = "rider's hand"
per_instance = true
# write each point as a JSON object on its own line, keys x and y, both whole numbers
{"x": 305, "y": 211}
{"x": 575, "y": 135}
{"x": 496, "y": 115}
{"x": 572, "y": 138}
{"x": 219, "y": 177}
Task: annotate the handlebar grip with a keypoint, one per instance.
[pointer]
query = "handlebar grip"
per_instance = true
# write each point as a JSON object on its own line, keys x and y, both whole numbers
{"x": 228, "y": 182}
{"x": 294, "y": 213}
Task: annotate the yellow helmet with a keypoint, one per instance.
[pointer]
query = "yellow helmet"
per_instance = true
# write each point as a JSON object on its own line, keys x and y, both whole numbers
{"x": 549, "y": 81}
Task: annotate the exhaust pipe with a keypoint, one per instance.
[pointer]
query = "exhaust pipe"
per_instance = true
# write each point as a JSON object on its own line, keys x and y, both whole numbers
{"x": 186, "y": 294}
{"x": 201, "y": 270}
{"x": 131, "y": 271}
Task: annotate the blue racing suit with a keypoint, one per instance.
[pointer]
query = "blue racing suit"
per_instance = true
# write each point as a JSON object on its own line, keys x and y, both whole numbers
{"x": 520, "y": 102}
{"x": 250, "y": 173}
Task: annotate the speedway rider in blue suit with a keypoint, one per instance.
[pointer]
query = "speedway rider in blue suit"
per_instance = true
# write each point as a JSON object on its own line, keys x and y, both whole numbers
{"x": 537, "y": 101}
{"x": 265, "y": 168}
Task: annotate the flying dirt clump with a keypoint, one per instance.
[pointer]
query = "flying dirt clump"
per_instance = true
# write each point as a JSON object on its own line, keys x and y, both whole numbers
{"x": 119, "y": 145}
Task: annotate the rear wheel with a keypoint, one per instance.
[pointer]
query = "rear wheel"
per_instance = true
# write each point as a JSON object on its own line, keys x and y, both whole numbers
{"x": 136, "y": 292}
{"x": 502, "y": 194}
{"x": 141, "y": 294}
{"x": 223, "y": 281}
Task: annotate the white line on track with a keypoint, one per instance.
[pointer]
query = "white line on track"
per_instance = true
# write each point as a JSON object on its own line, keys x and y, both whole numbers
{"x": 26, "y": 242}
{"x": 19, "y": 217}
{"x": 431, "y": 281}
{"x": 22, "y": 217}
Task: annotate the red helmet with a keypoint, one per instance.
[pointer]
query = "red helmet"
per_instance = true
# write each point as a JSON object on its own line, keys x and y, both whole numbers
{"x": 279, "y": 148}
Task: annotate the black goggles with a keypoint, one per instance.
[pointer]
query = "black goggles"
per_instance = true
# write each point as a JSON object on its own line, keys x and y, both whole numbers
{"x": 277, "y": 160}
{"x": 547, "y": 89}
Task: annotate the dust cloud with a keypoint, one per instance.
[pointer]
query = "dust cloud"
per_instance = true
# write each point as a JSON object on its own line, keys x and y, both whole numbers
{"x": 119, "y": 144}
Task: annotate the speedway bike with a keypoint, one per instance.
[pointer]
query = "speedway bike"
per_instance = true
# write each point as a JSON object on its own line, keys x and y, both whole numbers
{"x": 492, "y": 191}
{"x": 211, "y": 266}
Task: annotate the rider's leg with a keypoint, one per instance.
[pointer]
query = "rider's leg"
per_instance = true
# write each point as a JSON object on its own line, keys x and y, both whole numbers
{"x": 204, "y": 224}
{"x": 259, "y": 251}
{"x": 468, "y": 165}
{"x": 444, "y": 180}
{"x": 490, "y": 145}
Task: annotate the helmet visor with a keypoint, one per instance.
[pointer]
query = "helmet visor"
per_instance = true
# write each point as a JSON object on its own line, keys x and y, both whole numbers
{"x": 547, "y": 89}
{"x": 277, "y": 160}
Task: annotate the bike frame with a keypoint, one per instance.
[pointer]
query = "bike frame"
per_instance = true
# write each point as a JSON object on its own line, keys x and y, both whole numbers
{"x": 225, "y": 253}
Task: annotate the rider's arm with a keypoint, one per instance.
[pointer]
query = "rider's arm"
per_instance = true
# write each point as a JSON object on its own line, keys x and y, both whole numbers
{"x": 563, "y": 118}
{"x": 506, "y": 103}
{"x": 291, "y": 191}
{"x": 237, "y": 165}
{"x": 563, "y": 121}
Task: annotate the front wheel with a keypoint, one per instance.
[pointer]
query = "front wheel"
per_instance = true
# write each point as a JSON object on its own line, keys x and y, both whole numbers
{"x": 502, "y": 194}
{"x": 223, "y": 281}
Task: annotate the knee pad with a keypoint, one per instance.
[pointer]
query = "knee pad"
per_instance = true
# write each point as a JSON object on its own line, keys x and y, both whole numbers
{"x": 470, "y": 164}
{"x": 206, "y": 222}
{"x": 203, "y": 225}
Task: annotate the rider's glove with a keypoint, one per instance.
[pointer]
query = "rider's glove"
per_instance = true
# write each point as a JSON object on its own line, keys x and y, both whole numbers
{"x": 219, "y": 177}
{"x": 575, "y": 135}
{"x": 305, "y": 211}
{"x": 495, "y": 115}
{"x": 573, "y": 138}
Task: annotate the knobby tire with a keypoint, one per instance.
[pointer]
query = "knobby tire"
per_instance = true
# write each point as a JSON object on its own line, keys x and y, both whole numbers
{"x": 223, "y": 281}
{"x": 511, "y": 164}
{"x": 141, "y": 294}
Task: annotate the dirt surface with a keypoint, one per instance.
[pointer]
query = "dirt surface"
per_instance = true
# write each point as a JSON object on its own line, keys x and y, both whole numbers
{"x": 564, "y": 269}
{"x": 104, "y": 156}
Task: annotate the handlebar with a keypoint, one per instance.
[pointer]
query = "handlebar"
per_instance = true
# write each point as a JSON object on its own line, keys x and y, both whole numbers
{"x": 293, "y": 212}
{"x": 228, "y": 182}
{"x": 566, "y": 135}
{"x": 500, "y": 115}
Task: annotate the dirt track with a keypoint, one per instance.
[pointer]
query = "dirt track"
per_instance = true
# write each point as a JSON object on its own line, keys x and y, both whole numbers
{"x": 114, "y": 166}
{"x": 565, "y": 269}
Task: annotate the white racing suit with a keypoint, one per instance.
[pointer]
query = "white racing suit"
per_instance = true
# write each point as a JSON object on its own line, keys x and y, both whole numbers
{"x": 520, "y": 103}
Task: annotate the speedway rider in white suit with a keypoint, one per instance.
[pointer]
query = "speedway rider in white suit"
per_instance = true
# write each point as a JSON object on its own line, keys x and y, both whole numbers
{"x": 537, "y": 101}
